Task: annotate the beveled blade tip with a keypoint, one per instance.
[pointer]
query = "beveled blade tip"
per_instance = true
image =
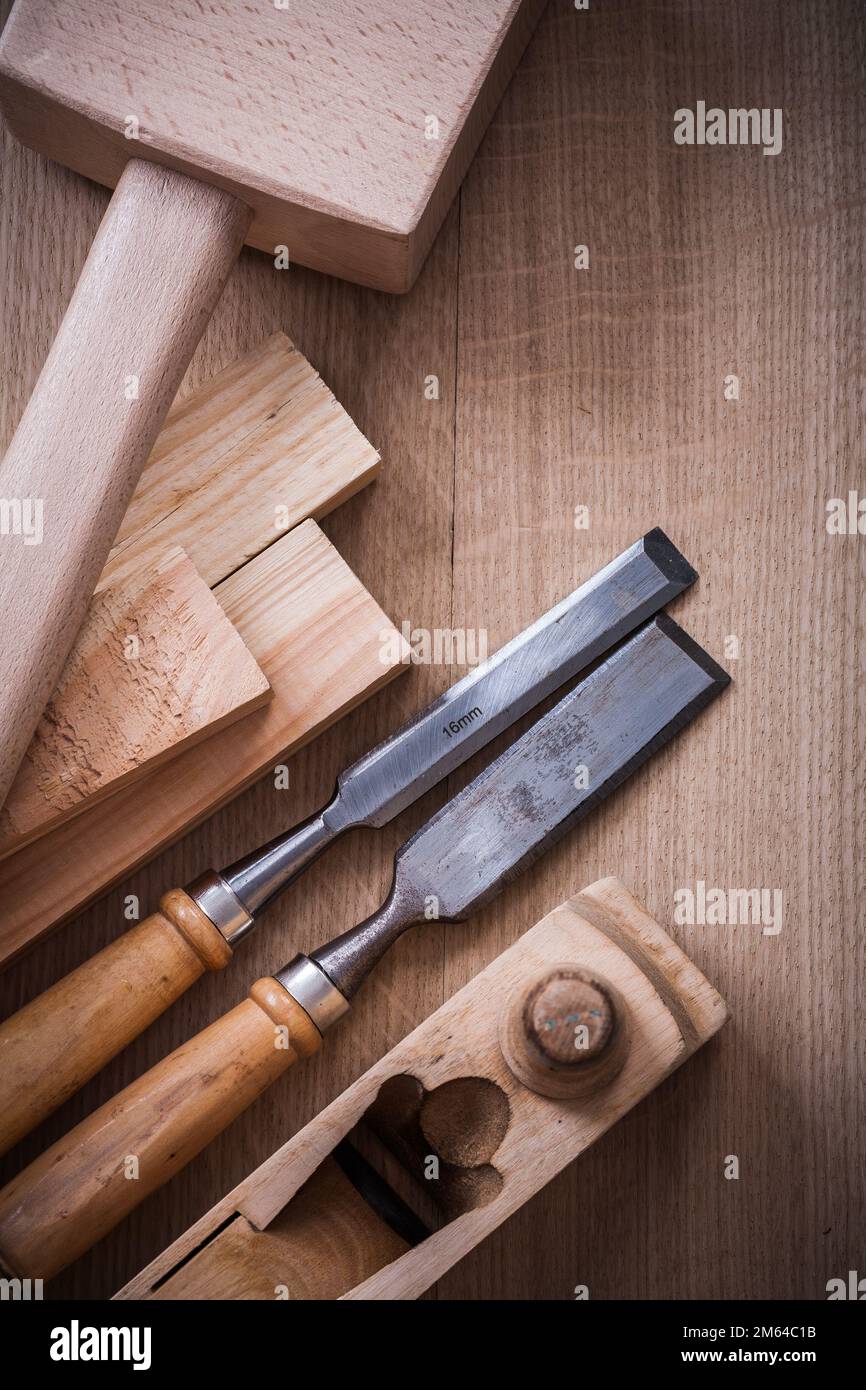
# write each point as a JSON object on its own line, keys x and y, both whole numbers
{"x": 719, "y": 676}
{"x": 672, "y": 563}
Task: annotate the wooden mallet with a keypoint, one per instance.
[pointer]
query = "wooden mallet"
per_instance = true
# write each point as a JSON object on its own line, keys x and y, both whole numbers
{"x": 333, "y": 132}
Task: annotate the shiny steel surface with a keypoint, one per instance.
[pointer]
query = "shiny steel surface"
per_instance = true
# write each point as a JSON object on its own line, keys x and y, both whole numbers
{"x": 533, "y": 665}
{"x": 632, "y": 704}
{"x": 472, "y": 712}
{"x": 310, "y": 987}
{"x": 260, "y": 876}
{"x": 217, "y": 901}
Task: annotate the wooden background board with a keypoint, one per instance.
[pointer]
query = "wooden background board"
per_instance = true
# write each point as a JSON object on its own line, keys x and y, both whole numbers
{"x": 602, "y": 388}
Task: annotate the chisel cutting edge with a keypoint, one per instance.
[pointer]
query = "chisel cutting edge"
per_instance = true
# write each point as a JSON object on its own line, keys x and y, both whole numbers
{"x": 573, "y": 757}
{"x": 62, "y": 1038}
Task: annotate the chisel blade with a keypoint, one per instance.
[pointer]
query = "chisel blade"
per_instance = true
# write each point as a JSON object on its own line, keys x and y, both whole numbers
{"x": 573, "y": 757}
{"x": 584, "y": 748}
{"x": 562, "y": 643}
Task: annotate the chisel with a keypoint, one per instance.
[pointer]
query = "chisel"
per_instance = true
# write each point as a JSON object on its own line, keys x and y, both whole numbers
{"x": 575, "y": 755}
{"x": 57, "y": 1042}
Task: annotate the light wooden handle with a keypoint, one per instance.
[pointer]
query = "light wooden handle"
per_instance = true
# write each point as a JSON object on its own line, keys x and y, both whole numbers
{"x": 148, "y": 288}
{"x": 81, "y": 1187}
{"x": 57, "y": 1042}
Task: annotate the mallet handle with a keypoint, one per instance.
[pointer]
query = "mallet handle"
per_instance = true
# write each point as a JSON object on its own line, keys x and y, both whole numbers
{"x": 150, "y": 283}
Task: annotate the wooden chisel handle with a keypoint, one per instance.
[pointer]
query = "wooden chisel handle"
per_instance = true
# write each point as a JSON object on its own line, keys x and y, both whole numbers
{"x": 87, "y": 1182}
{"x": 57, "y": 1042}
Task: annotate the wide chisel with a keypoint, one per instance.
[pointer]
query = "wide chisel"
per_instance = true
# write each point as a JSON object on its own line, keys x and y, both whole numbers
{"x": 629, "y": 706}
{"x": 56, "y": 1043}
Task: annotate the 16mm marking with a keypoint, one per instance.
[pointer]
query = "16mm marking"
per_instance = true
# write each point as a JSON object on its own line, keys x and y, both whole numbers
{"x": 458, "y": 725}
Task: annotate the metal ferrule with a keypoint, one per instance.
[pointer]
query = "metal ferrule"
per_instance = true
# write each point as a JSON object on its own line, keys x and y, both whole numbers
{"x": 310, "y": 987}
{"x": 217, "y": 901}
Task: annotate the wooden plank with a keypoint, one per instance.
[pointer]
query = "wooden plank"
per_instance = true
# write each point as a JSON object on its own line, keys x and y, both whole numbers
{"x": 668, "y": 1010}
{"x": 259, "y": 447}
{"x": 156, "y": 668}
{"x": 256, "y": 449}
{"x": 318, "y": 636}
{"x": 317, "y": 116}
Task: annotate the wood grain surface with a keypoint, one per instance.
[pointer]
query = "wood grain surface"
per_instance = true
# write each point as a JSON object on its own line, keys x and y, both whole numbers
{"x": 156, "y": 667}
{"x": 601, "y": 388}
{"x": 259, "y": 447}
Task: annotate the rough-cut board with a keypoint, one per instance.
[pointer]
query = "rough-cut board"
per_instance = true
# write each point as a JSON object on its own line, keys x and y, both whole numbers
{"x": 498, "y": 1142}
{"x": 320, "y": 116}
{"x": 261, "y": 446}
{"x": 156, "y": 667}
{"x": 323, "y": 644}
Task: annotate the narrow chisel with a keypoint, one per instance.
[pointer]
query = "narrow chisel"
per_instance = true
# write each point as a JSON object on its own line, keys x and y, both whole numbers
{"x": 57, "y": 1042}
{"x": 630, "y": 705}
